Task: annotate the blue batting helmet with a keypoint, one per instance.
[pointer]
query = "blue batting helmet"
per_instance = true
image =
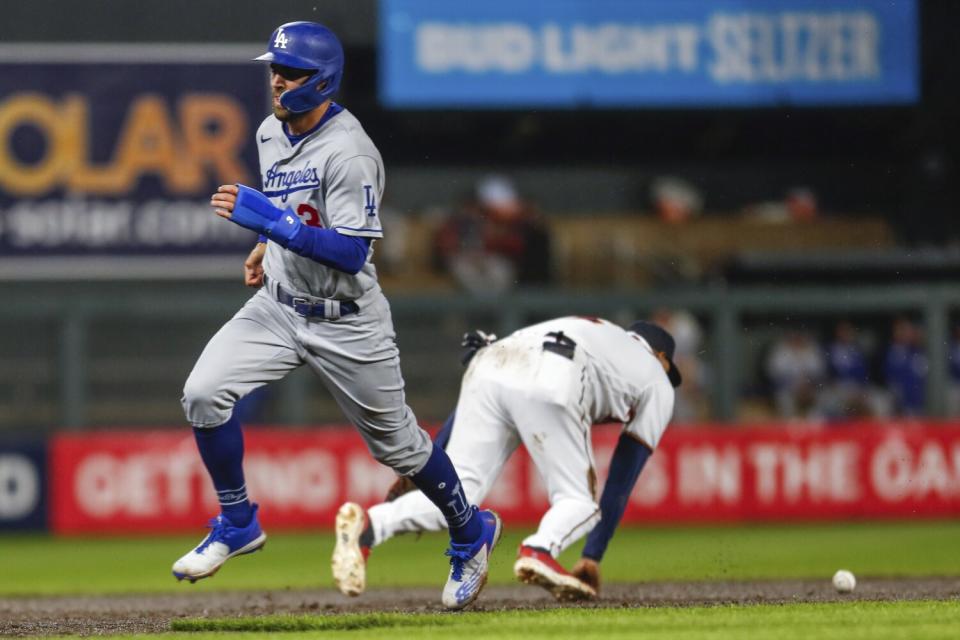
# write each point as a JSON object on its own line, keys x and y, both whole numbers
{"x": 307, "y": 45}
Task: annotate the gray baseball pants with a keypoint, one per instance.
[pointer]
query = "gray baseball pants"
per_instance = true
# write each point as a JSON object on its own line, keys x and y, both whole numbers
{"x": 356, "y": 358}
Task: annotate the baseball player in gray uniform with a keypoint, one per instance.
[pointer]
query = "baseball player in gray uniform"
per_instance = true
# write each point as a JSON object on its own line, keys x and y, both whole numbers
{"x": 543, "y": 386}
{"x": 318, "y": 304}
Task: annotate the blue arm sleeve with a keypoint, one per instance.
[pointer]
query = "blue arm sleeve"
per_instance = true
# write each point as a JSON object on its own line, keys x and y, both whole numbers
{"x": 443, "y": 436}
{"x": 254, "y": 210}
{"x": 329, "y": 248}
{"x": 627, "y": 462}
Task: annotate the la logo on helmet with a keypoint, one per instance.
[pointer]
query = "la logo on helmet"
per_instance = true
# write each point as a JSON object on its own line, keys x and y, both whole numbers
{"x": 280, "y": 42}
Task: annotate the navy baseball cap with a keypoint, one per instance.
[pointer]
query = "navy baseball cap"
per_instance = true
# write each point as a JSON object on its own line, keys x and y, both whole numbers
{"x": 659, "y": 339}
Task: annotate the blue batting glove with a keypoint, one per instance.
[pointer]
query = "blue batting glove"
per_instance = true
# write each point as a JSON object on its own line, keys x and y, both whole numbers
{"x": 284, "y": 229}
{"x": 254, "y": 211}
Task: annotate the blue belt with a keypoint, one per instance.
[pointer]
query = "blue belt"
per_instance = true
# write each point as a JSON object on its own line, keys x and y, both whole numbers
{"x": 327, "y": 309}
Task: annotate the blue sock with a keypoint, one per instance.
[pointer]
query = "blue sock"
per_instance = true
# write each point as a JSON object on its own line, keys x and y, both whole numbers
{"x": 438, "y": 480}
{"x": 221, "y": 449}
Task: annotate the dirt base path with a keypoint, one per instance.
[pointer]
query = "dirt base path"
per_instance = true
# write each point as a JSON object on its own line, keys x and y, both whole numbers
{"x": 98, "y": 615}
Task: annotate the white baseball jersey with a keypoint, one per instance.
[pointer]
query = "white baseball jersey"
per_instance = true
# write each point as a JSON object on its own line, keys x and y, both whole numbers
{"x": 516, "y": 391}
{"x": 332, "y": 178}
{"x": 623, "y": 382}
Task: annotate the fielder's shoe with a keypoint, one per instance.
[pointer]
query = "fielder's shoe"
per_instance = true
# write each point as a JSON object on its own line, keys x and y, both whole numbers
{"x": 349, "y": 563}
{"x": 469, "y": 563}
{"x": 537, "y": 566}
{"x": 222, "y": 543}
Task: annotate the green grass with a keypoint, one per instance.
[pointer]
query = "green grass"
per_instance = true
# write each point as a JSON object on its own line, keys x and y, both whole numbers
{"x": 45, "y": 565}
{"x": 840, "y": 621}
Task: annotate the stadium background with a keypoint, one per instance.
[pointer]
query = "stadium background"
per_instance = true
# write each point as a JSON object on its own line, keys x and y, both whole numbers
{"x": 750, "y": 225}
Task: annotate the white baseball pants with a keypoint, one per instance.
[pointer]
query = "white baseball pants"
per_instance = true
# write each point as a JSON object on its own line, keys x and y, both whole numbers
{"x": 515, "y": 392}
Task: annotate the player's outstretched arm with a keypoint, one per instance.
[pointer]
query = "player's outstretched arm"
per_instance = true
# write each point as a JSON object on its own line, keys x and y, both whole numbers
{"x": 252, "y": 210}
{"x": 629, "y": 457}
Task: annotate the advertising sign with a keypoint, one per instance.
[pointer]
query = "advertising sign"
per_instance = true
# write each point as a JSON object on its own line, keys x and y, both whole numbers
{"x": 617, "y": 53}
{"x": 155, "y": 481}
{"x": 23, "y": 485}
{"x": 117, "y": 153}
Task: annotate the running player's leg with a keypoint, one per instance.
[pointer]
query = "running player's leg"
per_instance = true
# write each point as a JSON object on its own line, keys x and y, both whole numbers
{"x": 376, "y": 405}
{"x": 360, "y": 365}
{"x": 248, "y": 351}
{"x": 253, "y": 348}
{"x": 480, "y": 444}
{"x": 357, "y": 359}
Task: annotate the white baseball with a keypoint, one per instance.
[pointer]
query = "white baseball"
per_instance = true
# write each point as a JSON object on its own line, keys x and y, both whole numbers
{"x": 844, "y": 581}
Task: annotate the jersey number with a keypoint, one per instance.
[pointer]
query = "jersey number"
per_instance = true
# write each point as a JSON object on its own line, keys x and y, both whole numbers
{"x": 309, "y": 215}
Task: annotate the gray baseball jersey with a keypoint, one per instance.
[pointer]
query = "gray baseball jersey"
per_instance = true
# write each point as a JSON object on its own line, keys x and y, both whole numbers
{"x": 332, "y": 177}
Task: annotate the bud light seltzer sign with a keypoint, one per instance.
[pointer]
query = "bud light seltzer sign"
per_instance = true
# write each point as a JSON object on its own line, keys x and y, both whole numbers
{"x": 618, "y": 53}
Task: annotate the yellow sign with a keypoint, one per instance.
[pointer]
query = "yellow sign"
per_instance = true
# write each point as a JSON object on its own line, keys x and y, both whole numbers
{"x": 202, "y": 138}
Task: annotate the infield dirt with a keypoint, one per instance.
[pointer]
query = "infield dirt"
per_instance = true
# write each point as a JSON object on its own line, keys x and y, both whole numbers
{"x": 99, "y": 615}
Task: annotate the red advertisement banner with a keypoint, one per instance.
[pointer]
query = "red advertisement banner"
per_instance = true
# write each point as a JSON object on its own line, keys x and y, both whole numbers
{"x": 135, "y": 481}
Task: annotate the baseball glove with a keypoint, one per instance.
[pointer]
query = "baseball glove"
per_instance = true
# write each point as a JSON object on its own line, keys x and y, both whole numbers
{"x": 472, "y": 342}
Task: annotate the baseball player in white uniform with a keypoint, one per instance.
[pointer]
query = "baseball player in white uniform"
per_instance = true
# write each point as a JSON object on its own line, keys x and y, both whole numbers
{"x": 543, "y": 386}
{"x": 318, "y": 304}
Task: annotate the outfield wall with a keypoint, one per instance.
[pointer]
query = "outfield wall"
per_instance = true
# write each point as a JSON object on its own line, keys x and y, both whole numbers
{"x": 153, "y": 481}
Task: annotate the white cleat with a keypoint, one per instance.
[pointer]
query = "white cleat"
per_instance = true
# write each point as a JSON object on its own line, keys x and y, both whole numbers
{"x": 222, "y": 543}
{"x": 349, "y": 562}
{"x": 470, "y": 563}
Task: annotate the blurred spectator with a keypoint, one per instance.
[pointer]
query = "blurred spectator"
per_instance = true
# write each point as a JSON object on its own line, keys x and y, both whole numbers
{"x": 691, "y": 402}
{"x": 848, "y": 363}
{"x": 798, "y": 205}
{"x": 675, "y": 200}
{"x": 495, "y": 240}
{"x": 850, "y": 394}
{"x": 801, "y": 204}
{"x": 797, "y": 369}
{"x": 905, "y": 368}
